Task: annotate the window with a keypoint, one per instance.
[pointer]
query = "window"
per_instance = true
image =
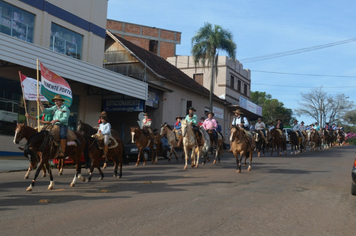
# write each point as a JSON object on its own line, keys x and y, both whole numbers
{"x": 189, "y": 104}
{"x": 153, "y": 47}
{"x": 239, "y": 86}
{"x": 66, "y": 41}
{"x": 198, "y": 78}
{"x": 232, "y": 82}
{"x": 16, "y": 22}
{"x": 245, "y": 89}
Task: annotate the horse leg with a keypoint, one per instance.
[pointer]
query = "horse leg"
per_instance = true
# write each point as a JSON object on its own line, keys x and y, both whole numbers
{"x": 27, "y": 175}
{"x": 78, "y": 170}
{"x": 51, "y": 183}
{"x": 138, "y": 157}
{"x": 197, "y": 157}
{"x": 186, "y": 158}
{"x": 238, "y": 165}
{"x": 44, "y": 170}
{"x": 250, "y": 161}
{"x": 60, "y": 166}
{"x": 192, "y": 158}
{"x": 36, "y": 175}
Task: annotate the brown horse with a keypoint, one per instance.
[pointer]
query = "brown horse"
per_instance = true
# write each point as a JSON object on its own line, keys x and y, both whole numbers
{"x": 241, "y": 145}
{"x": 315, "y": 140}
{"x": 278, "y": 141}
{"x": 190, "y": 143}
{"x": 23, "y": 131}
{"x": 328, "y": 137}
{"x": 260, "y": 142}
{"x": 217, "y": 147}
{"x": 43, "y": 142}
{"x": 116, "y": 154}
{"x": 340, "y": 137}
{"x": 142, "y": 141}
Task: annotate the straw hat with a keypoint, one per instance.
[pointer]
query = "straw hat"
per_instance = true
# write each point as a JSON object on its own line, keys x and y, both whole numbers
{"x": 103, "y": 114}
{"x": 57, "y": 97}
{"x": 179, "y": 117}
{"x": 146, "y": 114}
{"x": 238, "y": 112}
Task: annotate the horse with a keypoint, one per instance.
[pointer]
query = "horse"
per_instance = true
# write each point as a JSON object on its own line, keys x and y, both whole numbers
{"x": 172, "y": 139}
{"x": 241, "y": 146}
{"x": 340, "y": 137}
{"x": 327, "y": 138}
{"x": 190, "y": 143}
{"x": 315, "y": 140}
{"x": 278, "y": 142}
{"x": 43, "y": 142}
{"x": 116, "y": 154}
{"x": 260, "y": 143}
{"x": 218, "y": 147}
{"x": 295, "y": 143}
{"x": 207, "y": 145}
{"x": 142, "y": 141}
{"x": 25, "y": 131}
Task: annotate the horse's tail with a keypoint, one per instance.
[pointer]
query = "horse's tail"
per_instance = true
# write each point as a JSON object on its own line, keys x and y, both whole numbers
{"x": 86, "y": 154}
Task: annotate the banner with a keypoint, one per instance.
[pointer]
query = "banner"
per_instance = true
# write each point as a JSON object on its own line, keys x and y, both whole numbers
{"x": 29, "y": 86}
{"x": 53, "y": 84}
{"x": 129, "y": 105}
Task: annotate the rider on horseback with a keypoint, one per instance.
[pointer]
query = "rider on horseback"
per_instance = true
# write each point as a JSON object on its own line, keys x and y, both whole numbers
{"x": 296, "y": 128}
{"x": 61, "y": 115}
{"x": 242, "y": 122}
{"x": 260, "y": 126}
{"x": 178, "y": 129}
{"x": 146, "y": 125}
{"x": 211, "y": 124}
{"x": 105, "y": 130}
{"x": 279, "y": 126}
{"x": 192, "y": 119}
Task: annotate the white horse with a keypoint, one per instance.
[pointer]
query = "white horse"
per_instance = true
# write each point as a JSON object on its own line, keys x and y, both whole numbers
{"x": 190, "y": 143}
{"x": 207, "y": 144}
{"x": 172, "y": 140}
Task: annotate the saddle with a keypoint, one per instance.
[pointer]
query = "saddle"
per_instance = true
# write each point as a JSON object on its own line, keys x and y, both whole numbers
{"x": 54, "y": 131}
{"x": 112, "y": 141}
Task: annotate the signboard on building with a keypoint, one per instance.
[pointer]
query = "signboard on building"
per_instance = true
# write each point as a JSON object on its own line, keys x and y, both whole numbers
{"x": 152, "y": 99}
{"x": 250, "y": 106}
{"x": 218, "y": 112}
{"x": 128, "y": 105}
{"x": 8, "y": 116}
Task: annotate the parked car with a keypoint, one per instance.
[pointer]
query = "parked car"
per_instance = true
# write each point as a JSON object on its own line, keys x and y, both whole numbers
{"x": 132, "y": 150}
{"x": 353, "y": 176}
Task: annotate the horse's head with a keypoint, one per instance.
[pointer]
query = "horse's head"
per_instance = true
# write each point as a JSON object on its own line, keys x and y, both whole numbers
{"x": 135, "y": 133}
{"x": 233, "y": 132}
{"x": 164, "y": 128}
{"x": 184, "y": 127}
{"x": 19, "y": 133}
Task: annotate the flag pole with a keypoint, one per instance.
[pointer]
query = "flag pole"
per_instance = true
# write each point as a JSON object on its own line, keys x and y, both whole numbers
{"x": 23, "y": 97}
{"x": 38, "y": 95}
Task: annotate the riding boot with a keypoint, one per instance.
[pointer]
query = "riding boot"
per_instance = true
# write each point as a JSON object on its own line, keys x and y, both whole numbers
{"x": 106, "y": 148}
{"x": 62, "y": 148}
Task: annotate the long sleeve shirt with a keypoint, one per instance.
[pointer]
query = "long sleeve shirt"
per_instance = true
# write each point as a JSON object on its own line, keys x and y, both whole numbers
{"x": 317, "y": 127}
{"x": 178, "y": 125}
{"x": 279, "y": 126}
{"x": 238, "y": 120}
{"x": 210, "y": 124}
{"x": 146, "y": 122}
{"x": 296, "y": 127}
{"x": 105, "y": 128}
{"x": 62, "y": 114}
{"x": 193, "y": 119}
{"x": 260, "y": 126}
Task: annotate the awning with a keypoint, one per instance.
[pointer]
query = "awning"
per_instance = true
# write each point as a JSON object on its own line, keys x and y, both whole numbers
{"x": 249, "y": 115}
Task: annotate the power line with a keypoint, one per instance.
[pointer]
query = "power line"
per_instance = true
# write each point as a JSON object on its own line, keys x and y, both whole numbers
{"x": 291, "y": 73}
{"x": 295, "y": 86}
{"x": 293, "y": 52}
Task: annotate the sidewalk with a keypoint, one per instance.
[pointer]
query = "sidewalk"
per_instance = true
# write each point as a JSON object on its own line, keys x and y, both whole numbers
{"x": 13, "y": 163}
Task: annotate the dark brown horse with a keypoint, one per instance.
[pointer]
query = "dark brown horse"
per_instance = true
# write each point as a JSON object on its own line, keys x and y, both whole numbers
{"x": 23, "y": 131}
{"x": 295, "y": 142}
{"x": 142, "y": 141}
{"x": 116, "y": 154}
{"x": 340, "y": 137}
{"x": 278, "y": 141}
{"x": 216, "y": 147}
{"x": 241, "y": 145}
{"x": 328, "y": 137}
{"x": 260, "y": 142}
{"x": 43, "y": 142}
{"x": 315, "y": 140}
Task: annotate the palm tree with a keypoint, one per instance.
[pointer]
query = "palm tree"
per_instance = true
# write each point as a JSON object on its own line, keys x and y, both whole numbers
{"x": 205, "y": 48}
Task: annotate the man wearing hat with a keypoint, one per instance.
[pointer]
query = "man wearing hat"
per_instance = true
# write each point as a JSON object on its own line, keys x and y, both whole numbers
{"x": 240, "y": 120}
{"x": 317, "y": 127}
{"x": 102, "y": 114}
{"x": 192, "y": 119}
{"x": 296, "y": 128}
{"x": 210, "y": 124}
{"x": 61, "y": 115}
{"x": 260, "y": 126}
{"x": 146, "y": 125}
{"x": 105, "y": 130}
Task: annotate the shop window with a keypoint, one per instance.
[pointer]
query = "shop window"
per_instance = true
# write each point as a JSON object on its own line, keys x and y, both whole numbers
{"x": 239, "y": 86}
{"x": 16, "y": 22}
{"x": 232, "y": 82}
{"x": 153, "y": 47}
{"x": 245, "y": 89}
{"x": 198, "y": 78}
{"x": 66, "y": 42}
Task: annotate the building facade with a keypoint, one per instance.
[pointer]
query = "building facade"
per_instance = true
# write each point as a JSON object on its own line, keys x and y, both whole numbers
{"x": 161, "y": 42}
{"x": 68, "y": 37}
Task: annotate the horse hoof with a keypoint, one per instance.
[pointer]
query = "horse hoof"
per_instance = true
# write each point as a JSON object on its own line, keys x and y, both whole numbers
{"x": 101, "y": 178}
{"x": 214, "y": 162}
{"x": 249, "y": 168}
{"x": 29, "y": 189}
{"x": 197, "y": 166}
{"x": 104, "y": 166}
{"x": 50, "y": 187}
{"x": 26, "y": 177}
{"x": 136, "y": 164}
{"x": 185, "y": 167}
{"x": 203, "y": 163}
{"x": 156, "y": 162}
{"x": 238, "y": 171}
{"x": 245, "y": 164}
{"x": 144, "y": 163}
{"x": 72, "y": 185}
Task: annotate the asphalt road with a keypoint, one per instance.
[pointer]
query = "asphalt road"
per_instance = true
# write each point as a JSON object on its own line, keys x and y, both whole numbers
{"x": 306, "y": 194}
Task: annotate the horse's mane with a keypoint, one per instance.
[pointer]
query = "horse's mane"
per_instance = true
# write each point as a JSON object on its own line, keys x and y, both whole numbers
{"x": 87, "y": 129}
{"x": 169, "y": 127}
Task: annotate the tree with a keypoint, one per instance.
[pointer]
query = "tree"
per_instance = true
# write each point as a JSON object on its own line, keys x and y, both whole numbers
{"x": 272, "y": 109}
{"x": 205, "y": 49}
{"x": 323, "y": 107}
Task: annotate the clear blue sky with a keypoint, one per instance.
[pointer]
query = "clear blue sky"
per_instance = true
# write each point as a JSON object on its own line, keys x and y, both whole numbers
{"x": 265, "y": 27}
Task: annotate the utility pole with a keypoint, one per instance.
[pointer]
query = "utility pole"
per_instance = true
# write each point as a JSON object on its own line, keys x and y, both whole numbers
{"x": 321, "y": 112}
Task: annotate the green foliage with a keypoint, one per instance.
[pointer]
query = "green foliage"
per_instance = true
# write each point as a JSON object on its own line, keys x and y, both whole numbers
{"x": 272, "y": 109}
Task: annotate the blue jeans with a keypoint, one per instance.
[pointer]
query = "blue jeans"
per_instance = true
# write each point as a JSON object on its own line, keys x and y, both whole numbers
{"x": 63, "y": 131}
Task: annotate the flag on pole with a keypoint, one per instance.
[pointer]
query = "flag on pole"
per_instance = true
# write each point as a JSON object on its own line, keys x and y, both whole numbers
{"x": 29, "y": 86}
{"x": 52, "y": 84}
